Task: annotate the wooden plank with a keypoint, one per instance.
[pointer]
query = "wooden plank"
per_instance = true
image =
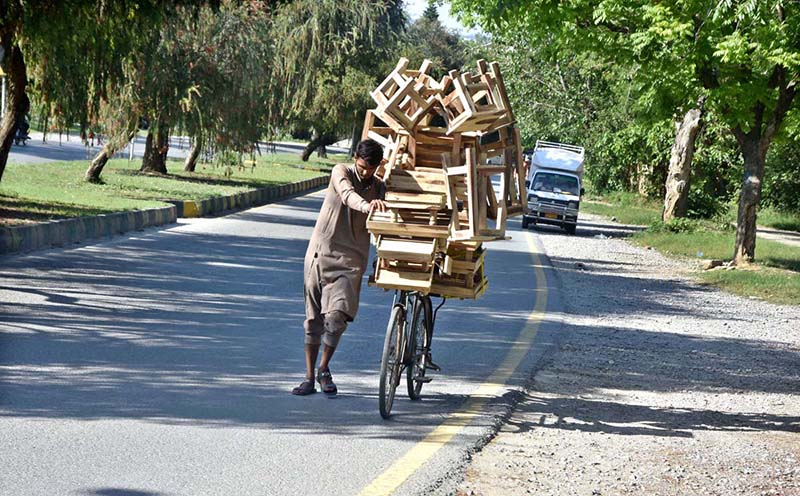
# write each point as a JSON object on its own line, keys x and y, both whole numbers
{"x": 449, "y": 291}
{"x": 390, "y": 278}
{"x": 398, "y": 205}
{"x": 405, "y": 229}
{"x": 427, "y": 199}
{"x": 407, "y": 250}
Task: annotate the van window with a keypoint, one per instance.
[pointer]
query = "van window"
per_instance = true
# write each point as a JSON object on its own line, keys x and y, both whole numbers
{"x": 555, "y": 183}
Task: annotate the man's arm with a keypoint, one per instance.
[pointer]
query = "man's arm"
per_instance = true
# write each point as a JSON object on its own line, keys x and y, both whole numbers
{"x": 344, "y": 188}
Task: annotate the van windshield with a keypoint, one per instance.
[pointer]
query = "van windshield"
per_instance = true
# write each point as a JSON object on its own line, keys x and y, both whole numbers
{"x": 555, "y": 183}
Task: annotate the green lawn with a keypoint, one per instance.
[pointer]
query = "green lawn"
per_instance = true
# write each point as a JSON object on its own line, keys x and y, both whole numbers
{"x": 774, "y": 277}
{"x": 776, "y": 219}
{"x": 718, "y": 245}
{"x": 36, "y": 192}
{"x": 628, "y": 208}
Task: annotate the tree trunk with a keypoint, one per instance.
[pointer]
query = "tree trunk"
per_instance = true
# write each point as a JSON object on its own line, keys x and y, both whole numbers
{"x": 194, "y": 153}
{"x": 17, "y": 101}
{"x": 155, "y": 151}
{"x": 754, "y": 145}
{"x": 680, "y": 164}
{"x": 355, "y": 138}
{"x": 113, "y": 145}
{"x": 754, "y": 152}
{"x": 96, "y": 167}
{"x": 318, "y": 141}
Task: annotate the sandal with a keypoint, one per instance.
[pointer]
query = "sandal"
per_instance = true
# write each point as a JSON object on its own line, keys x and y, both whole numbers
{"x": 329, "y": 387}
{"x": 305, "y": 388}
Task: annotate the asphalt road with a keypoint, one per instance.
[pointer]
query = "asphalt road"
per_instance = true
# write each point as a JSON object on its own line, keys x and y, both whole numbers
{"x": 161, "y": 363}
{"x": 57, "y": 149}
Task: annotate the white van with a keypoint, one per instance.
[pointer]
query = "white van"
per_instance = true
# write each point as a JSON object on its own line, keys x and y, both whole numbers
{"x": 555, "y": 185}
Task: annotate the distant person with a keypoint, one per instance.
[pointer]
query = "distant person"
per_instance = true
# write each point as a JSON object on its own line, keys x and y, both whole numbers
{"x": 336, "y": 258}
{"x": 526, "y": 163}
{"x": 21, "y": 135}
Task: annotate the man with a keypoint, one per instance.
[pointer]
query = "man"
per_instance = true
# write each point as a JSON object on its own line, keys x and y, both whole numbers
{"x": 336, "y": 258}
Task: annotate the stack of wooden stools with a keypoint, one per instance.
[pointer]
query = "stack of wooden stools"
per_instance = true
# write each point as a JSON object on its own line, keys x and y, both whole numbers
{"x": 446, "y": 143}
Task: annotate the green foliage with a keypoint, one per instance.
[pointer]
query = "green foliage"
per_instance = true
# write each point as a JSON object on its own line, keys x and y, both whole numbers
{"x": 322, "y": 45}
{"x": 782, "y": 178}
{"x": 743, "y": 57}
{"x": 227, "y": 48}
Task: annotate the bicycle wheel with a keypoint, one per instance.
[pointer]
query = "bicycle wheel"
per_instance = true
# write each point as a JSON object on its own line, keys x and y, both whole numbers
{"x": 420, "y": 344}
{"x": 391, "y": 360}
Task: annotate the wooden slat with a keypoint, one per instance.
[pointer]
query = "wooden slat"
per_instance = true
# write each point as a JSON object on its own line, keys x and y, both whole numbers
{"x": 405, "y": 229}
{"x": 449, "y": 291}
{"x": 407, "y": 250}
{"x": 390, "y": 278}
{"x": 427, "y": 199}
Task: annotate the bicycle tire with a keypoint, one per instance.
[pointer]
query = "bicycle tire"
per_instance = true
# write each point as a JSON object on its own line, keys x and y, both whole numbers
{"x": 390, "y": 361}
{"x": 419, "y": 346}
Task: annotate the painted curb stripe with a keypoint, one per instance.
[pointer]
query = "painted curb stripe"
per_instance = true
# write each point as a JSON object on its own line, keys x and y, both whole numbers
{"x": 495, "y": 385}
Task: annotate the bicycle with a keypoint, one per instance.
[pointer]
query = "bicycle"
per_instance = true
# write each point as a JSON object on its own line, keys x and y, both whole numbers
{"x": 407, "y": 347}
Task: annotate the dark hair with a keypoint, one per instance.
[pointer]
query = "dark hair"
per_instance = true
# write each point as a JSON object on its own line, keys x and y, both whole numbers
{"x": 371, "y": 151}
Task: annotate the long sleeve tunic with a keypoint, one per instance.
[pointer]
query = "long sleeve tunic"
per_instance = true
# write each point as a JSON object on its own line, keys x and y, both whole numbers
{"x": 338, "y": 251}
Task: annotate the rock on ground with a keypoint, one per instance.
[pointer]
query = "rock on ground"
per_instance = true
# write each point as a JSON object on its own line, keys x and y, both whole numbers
{"x": 661, "y": 386}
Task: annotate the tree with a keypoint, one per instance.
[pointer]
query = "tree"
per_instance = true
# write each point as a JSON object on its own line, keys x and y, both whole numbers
{"x": 74, "y": 50}
{"x": 743, "y": 55}
{"x": 325, "y": 62}
{"x": 226, "y": 102}
{"x": 427, "y": 38}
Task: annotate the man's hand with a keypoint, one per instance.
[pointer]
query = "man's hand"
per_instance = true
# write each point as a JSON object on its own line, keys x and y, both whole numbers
{"x": 378, "y": 205}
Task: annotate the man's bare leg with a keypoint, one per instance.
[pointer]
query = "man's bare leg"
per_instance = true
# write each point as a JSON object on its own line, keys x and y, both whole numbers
{"x": 327, "y": 354}
{"x": 312, "y": 350}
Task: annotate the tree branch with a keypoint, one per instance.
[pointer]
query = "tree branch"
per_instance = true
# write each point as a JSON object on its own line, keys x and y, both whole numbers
{"x": 605, "y": 24}
{"x": 786, "y": 94}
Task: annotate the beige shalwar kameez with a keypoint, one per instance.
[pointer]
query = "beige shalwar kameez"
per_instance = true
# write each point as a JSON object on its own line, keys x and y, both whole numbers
{"x": 337, "y": 255}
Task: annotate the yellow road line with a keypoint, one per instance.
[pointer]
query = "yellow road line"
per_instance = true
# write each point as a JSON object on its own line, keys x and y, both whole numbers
{"x": 495, "y": 384}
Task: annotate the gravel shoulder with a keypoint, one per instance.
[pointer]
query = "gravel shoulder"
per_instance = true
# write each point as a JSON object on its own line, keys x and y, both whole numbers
{"x": 660, "y": 386}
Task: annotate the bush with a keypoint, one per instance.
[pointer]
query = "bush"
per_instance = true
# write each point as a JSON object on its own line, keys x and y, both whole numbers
{"x": 781, "y": 188}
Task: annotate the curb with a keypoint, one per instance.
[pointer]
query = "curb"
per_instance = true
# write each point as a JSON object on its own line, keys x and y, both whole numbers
{"x": 59, "y": 233}
{"x": 254, "y": 198}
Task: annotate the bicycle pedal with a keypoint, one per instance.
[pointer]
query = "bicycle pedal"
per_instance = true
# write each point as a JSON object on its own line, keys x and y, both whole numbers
{"x": 423, "y": 379}
{"x": 433, "y": 366}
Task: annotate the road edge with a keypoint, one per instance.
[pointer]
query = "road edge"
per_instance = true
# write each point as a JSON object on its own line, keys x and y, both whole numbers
{"x": 540, "y": 356}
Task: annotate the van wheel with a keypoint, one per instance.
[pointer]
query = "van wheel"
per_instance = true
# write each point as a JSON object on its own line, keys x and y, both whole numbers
{"x": 524, "y": 222}
{"x": 570, "y": 228}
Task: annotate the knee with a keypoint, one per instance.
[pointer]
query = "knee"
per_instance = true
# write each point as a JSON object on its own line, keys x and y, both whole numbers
{"x": 335, "y": 325}
{"x": 314, "y": 329}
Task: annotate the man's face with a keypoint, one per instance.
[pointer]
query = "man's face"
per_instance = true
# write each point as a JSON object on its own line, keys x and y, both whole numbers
{"x": 363, "y": 169}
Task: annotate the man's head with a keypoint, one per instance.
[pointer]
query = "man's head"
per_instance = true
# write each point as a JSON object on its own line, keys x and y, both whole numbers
{"x": 369, "y": 154}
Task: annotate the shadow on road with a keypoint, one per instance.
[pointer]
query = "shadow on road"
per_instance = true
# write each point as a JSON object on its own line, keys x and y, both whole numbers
{"x": 185, "y": 326}
{"x": 624, "y": 419}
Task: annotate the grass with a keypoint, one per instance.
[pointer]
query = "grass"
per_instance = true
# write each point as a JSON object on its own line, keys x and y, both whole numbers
{"x": 775, "y": 276}
{"x": 628, "y": 208}
{"x": 776, "y": 219}
{"x": 770, "y": 285}
{"x": 707, "y": 245}
{"x": 55, "y": 190}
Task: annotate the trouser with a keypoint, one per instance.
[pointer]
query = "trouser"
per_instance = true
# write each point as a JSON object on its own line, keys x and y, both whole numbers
{"x": 327, "y": 328}
{"x": 325, "y": 321}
